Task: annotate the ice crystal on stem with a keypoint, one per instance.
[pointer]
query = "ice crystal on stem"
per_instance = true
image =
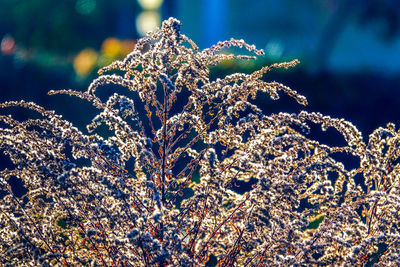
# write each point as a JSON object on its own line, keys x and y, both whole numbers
{"x": 162, "y": 190}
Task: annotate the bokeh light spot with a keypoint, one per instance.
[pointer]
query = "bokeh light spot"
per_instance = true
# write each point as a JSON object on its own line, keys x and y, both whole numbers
{"x": 84, "y": 61}
{"x": 111, "y": 47}
{"x": 7, "y": 45}
{"x": 85, "y": 7}
{"x": 274, "y": 49}
{"x": 147, "y": 21}
{"x": 128, "y": 46}
{"x": 150, "y": 4}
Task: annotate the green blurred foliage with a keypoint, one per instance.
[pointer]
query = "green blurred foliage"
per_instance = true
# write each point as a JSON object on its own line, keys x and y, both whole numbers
{"x": 60, "y": 26}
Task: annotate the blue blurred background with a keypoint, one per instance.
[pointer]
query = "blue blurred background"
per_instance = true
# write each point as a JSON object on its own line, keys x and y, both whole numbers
{"x": 349, "y": 49}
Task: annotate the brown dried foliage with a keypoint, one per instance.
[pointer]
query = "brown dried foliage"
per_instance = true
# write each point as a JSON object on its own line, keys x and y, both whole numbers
{"x": 162, "y": 189}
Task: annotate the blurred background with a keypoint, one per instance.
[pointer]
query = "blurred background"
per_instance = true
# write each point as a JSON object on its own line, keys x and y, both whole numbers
{"x": 349, "y": 49}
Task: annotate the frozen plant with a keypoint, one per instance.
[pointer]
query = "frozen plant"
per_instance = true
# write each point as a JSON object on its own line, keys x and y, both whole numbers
{"x": 163, "y": 190}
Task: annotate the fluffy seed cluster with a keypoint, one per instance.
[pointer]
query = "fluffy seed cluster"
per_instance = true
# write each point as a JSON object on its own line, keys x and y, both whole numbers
{"x": 194, "y": 173}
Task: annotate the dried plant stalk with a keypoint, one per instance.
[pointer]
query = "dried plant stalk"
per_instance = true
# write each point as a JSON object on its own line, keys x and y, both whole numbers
{"x": 194, "y": 173}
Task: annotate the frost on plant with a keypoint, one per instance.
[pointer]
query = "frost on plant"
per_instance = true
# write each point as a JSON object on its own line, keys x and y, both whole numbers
{"x": 162, "y": 189}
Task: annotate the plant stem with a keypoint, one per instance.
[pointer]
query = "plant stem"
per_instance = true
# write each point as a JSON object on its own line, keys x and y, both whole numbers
{"x": 164, "y": 145}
